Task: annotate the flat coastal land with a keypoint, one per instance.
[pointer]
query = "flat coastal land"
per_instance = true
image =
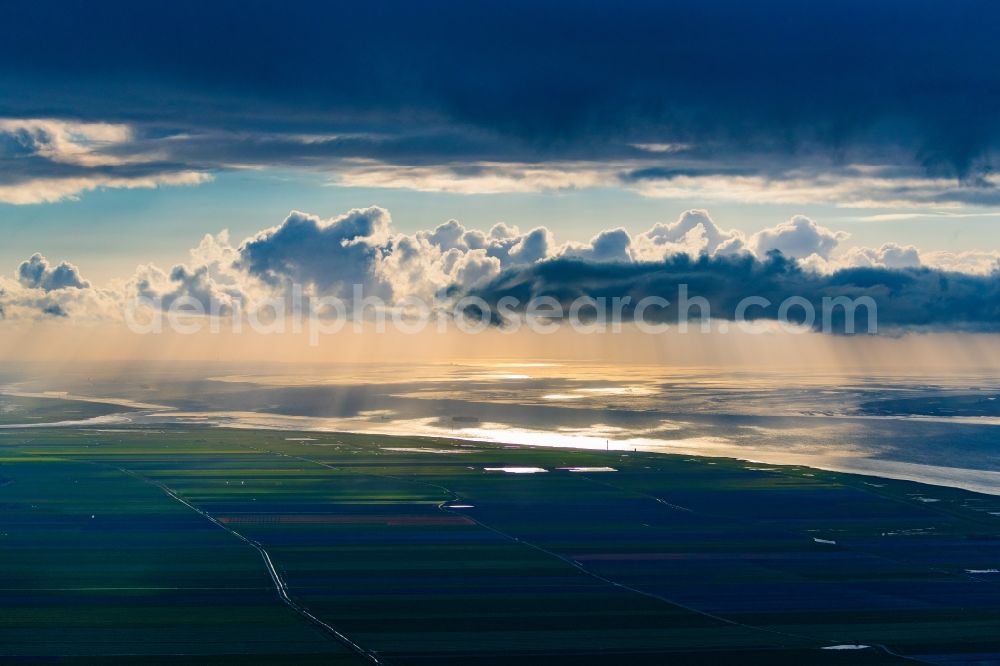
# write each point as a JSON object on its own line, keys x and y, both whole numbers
{"x": 257, "y": 546}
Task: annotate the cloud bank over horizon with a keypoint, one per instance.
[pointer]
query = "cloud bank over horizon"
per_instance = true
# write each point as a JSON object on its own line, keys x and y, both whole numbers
{"x": 360, "y": 249}
{"x": 851, "y": 104}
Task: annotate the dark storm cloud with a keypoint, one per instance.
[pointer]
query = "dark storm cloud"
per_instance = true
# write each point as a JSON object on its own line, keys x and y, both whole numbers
{"x": 436, "y": 82}
{"x": 906, "y": 299}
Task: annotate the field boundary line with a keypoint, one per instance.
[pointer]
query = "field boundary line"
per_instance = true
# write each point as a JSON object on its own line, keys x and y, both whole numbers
{"x": 279, "y": 583}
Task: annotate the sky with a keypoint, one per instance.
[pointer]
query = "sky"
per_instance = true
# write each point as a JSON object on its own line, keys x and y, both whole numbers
{"x": 461, "y": 148}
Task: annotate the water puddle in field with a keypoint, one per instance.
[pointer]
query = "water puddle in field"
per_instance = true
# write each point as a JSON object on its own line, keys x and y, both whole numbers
{"x": 589, "y": 469}
{"x": 517, "y": 470}
{"x": 926, "y": 500}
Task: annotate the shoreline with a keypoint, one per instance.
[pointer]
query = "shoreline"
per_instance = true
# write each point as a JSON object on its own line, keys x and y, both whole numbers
{"x": 983, "y": 482}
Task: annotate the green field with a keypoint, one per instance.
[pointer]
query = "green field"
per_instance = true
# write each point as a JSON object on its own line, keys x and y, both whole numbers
{"x": 149, "y": 542}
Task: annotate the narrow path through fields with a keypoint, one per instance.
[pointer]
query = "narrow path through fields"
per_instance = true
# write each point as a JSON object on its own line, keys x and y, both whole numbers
{"x": 276, "y": 579}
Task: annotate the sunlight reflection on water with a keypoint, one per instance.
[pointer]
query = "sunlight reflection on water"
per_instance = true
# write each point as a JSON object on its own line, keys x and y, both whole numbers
{"x": 772, "y": 417}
